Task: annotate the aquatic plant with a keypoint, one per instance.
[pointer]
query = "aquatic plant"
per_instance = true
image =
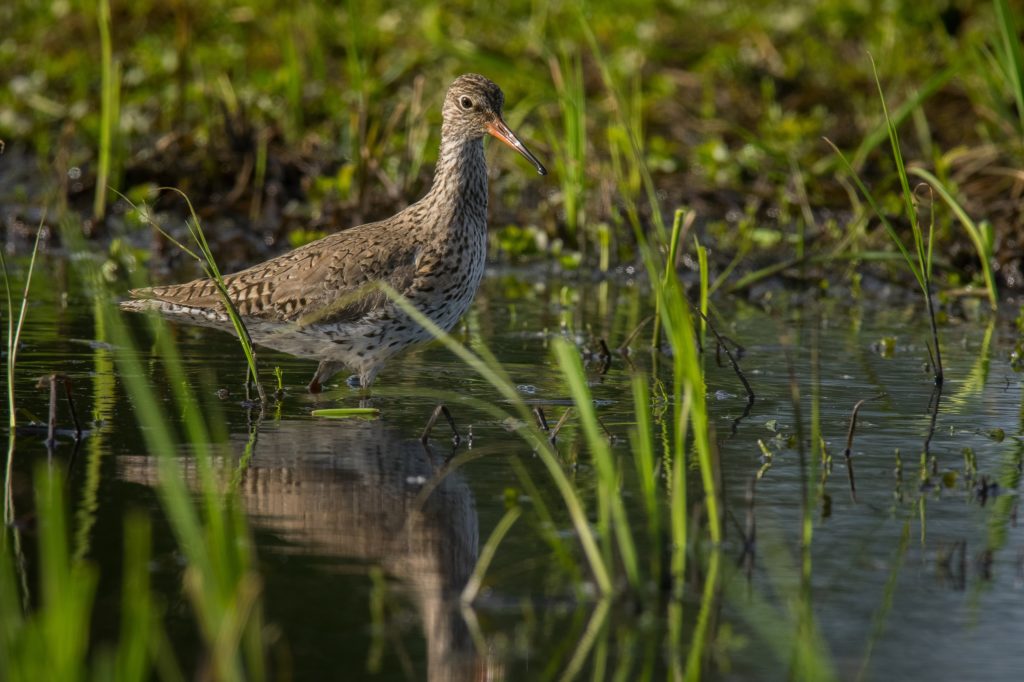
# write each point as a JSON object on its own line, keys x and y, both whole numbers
{"x": 920, "y": 264}
{"x": 1010, "y": 59}
{"x": 282, "y": 77}
{"x": 14, "y": 329}
{"x": 487, "y": 366}
{"x": 110, "y": 115}
{"x": 52, "y": 641}
{"x": 209, "y": 266}
{"x": 220, "y": 578}
{"x": 982, "y": 235}
{"x": 569, "y": 143}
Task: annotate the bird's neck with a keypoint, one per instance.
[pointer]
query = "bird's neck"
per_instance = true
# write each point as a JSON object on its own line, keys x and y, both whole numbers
{"x": 460, "y": 181}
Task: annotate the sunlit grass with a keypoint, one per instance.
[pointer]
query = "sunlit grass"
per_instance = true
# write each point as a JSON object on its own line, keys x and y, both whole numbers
{"x": 920, "y": 264}
{"x": 110, "y": 115}
{"x": 605, "y": 175}
{"x": 569, "y": 142}
{"x": 644, "y": 457}
{"x": 14, "y": 329}
{"x": 982, "y": 235}
{"x": 488, "y": 368}
{"x": 209, "y": 266}
{"x": 220, "y": 579}
{"x": 52, "y": 641}
{"x": 612, "y": 518}
{"x": 358, "y": 84}
{"x": 1011, "y": 58}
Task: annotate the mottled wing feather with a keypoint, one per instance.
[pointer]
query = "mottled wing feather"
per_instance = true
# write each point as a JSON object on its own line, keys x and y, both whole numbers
{"x": 330, "y": 280}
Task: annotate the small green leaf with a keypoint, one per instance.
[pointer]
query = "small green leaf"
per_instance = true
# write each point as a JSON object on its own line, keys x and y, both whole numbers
{"x": 345, "y": 412}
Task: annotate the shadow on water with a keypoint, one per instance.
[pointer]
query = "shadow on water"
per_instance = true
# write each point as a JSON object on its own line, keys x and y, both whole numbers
{"x": 353, "y": 493}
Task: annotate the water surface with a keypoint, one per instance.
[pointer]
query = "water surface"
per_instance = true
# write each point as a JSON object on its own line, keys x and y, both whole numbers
{"x": 366, "y": 538}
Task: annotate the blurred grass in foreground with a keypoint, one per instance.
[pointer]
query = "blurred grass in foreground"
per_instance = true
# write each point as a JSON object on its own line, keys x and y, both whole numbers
{"x": 51, "y": 637}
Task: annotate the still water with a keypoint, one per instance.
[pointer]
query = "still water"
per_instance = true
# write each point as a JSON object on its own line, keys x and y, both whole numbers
{"x": 366, "y": 538}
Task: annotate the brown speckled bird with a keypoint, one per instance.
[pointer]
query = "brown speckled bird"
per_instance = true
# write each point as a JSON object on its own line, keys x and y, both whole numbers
{"x": 320, "y": 301}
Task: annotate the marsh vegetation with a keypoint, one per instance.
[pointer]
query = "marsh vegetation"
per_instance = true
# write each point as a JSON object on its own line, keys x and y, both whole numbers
{"x": 740, "y": 397}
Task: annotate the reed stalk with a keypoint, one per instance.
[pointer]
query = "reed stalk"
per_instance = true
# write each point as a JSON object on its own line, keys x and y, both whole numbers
{"x": 110, "y": 86}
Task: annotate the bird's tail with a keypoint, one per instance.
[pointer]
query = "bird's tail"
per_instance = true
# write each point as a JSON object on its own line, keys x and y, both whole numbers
{"x": 140, "y": 305}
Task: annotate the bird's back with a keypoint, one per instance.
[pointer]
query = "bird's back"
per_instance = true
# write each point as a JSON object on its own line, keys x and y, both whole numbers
{"x": 329, "y": 280}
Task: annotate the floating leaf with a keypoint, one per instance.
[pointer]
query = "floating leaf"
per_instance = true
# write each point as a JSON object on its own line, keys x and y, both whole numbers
{"x": 997, "y": 435}
{"x": 345, "y": 412}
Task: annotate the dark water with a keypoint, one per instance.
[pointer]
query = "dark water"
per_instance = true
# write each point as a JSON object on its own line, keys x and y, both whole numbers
{"x": 365, "y": 538}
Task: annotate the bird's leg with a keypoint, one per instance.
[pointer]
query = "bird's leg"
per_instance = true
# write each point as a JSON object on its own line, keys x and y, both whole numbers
{"x": 324, "y": 371}
{"x": 365, "y": 378}
{"x": 438, "y": 411}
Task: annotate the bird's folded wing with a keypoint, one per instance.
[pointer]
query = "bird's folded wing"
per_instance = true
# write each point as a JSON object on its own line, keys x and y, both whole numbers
{"x": 331, "y": 280}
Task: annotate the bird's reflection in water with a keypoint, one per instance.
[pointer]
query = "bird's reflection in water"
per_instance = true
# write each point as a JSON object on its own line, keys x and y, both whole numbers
{"x": 359, "y": 490}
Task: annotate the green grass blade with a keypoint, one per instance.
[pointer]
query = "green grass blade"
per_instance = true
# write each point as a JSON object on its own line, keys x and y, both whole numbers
{"x": 586, "y": 642}
{"x": 893, "y": 234}
{"x": 496, "y": 376}
{"x": 681, "y": 222}
{"x": 1013, "y": 56}
{"x": 902, "y": 113}
{"x": 487, "y": 553}
{"x": 696, "y": 654}
{"x": 901, "y": 170}
{"x": 209, "y": 266}
{"x": 702, "y": 262}
{"x": 643, "y": 449}
{"x": 14, "y": 329}
{"x": 572, "y": 371}
{"x": 13, "y": 343}
{"x": 570, "y": 143}
{"x": 983, "y": 243}
{"x": 67, "y": 588}
{"x": 689, "y": 392}
{"x": 138, "y": 615}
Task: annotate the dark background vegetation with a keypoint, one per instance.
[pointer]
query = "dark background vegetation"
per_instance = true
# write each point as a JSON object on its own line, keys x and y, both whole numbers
{"x": 283, "y": 121}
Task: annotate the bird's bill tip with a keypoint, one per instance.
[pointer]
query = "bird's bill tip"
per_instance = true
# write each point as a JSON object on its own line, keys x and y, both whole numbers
{"x": 500, "y": 130}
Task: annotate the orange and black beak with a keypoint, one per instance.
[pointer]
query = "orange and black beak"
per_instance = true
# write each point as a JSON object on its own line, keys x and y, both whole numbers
{"x": 501, "y": 131}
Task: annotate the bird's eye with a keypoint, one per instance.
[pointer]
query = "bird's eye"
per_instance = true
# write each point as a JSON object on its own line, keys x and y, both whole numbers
{"x": 466, "y": 103}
